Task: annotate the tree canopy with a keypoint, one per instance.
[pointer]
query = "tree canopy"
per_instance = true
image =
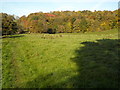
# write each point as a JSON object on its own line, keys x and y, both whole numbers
{"x": 61, "y": 22}
{"x": 9, "y": 26}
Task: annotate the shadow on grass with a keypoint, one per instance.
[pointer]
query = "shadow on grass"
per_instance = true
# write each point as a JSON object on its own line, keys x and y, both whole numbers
{"x": 98, "y": 64}
{"x": 98, "y": 67}
{"x": 12, "y": 36}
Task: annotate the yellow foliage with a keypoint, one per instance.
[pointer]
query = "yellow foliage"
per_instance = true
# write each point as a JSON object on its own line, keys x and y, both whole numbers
{"x": 103, "y": 24}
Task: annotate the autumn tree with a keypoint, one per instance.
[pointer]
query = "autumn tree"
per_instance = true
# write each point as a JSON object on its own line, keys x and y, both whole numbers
{"x": 70, "y": 21}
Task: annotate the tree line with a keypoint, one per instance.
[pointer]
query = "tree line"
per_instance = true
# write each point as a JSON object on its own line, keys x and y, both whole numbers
{"x": 60, "y": 22}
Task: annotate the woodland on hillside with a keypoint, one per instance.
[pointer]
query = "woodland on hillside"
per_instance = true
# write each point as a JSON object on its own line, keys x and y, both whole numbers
{"x": 60, "y": 22}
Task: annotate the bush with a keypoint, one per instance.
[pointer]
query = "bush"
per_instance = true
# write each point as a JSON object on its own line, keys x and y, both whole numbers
{"x": 51, "y": 31}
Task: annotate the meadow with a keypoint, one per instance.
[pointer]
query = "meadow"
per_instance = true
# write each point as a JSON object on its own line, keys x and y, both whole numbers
{"x": 65, "y": 60}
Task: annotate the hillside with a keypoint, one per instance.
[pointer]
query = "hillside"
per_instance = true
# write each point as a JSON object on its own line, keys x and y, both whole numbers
{"x": 60, "y": 22}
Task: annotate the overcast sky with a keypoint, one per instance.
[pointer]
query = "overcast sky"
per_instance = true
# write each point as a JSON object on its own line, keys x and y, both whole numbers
{"x": 25, "y": 7}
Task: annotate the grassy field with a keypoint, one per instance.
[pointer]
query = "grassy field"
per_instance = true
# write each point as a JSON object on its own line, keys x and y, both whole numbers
{"x": 88, "y": 60}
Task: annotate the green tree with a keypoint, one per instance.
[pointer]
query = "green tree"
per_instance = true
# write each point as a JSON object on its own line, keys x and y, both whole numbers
{"x": 83, "y": 25}
{"x": 9, "y": 26}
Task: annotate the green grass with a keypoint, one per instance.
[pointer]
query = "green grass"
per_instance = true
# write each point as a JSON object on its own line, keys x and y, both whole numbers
{"x": 87, "y": 60}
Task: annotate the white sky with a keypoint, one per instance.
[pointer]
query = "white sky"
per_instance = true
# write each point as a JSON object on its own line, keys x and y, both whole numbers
{"x": 25, "y": 7}
{"x": 59, "y": 0}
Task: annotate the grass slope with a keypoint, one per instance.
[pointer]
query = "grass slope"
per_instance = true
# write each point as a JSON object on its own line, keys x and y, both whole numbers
{"x": 87, "y": 60}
